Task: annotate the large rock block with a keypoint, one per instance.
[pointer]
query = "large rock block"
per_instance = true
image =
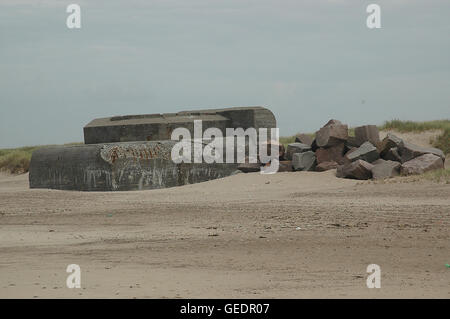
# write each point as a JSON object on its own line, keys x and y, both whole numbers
{"x": 118, "y": 167}
{"x": 385, "y": 169}
{"x": 358, "y": 169}
{"x": 333, "y": 133}
{"x": 390, "y": 141}
{"x": 422, "y": 164}
{"x": 367, "y": 133}
{"x": 296, "y": 148}
{"x": 351, "y": 142}
{"x": 366, "y": 152}
{"x": 304, "y": 139}
{"x": 331, "y": 154}
{"x": 304, "y": 161}
{"x": 409, "y": 151}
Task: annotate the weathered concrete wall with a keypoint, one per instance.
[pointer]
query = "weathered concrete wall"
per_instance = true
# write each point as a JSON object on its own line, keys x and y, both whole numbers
{"x": 118, "y": 167}
{"x": 153, "y": 127}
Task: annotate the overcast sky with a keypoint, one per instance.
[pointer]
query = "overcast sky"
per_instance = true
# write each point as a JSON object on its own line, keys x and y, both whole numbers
{"x": 308, "y": 61}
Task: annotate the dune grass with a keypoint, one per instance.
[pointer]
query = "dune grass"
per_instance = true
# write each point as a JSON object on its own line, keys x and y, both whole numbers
{"x": 410, "y": 126}
{"x": 17, "y": 160}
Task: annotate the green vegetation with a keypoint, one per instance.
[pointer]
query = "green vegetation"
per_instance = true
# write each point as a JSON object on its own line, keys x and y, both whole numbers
{"x": 17, "y": 160}
{"x": 285, "y": 140}
{"x": 443, "y": 141}
{"x": 410, "y": 126}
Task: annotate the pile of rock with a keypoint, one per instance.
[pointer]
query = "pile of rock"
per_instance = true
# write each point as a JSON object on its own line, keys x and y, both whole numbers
{"x": 362, "y": 156}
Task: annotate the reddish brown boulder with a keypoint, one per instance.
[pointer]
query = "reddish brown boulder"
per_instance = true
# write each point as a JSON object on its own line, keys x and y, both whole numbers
{"x": 358, "y": 169}
{"x": 367, "y": 133}
{"x": 422, "y": 164}
{"x": 325, "y": 166}
{"x": 331, "y": 154}
{"x": 333, "y": 133}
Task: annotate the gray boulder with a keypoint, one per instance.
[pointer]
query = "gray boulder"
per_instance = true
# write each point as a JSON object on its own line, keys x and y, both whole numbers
{"x": 296, "y": 148}
{"x": 409, "y": 151}
{"x": 422, "y": 164}
{"x": 385, "y": 169}
{"x": 367, "y": 133}
{"x": 366, "y": 152}
{"x": 358, "y": 169}
{"x": 333, "y": 133}
{"x": 304, "y": 161}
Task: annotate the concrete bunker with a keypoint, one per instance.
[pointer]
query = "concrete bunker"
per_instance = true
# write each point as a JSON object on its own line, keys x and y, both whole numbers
{"x": 133, "y": 152}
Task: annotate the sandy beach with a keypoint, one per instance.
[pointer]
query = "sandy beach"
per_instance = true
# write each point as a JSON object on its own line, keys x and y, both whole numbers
{"x": 290, "y": 235}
